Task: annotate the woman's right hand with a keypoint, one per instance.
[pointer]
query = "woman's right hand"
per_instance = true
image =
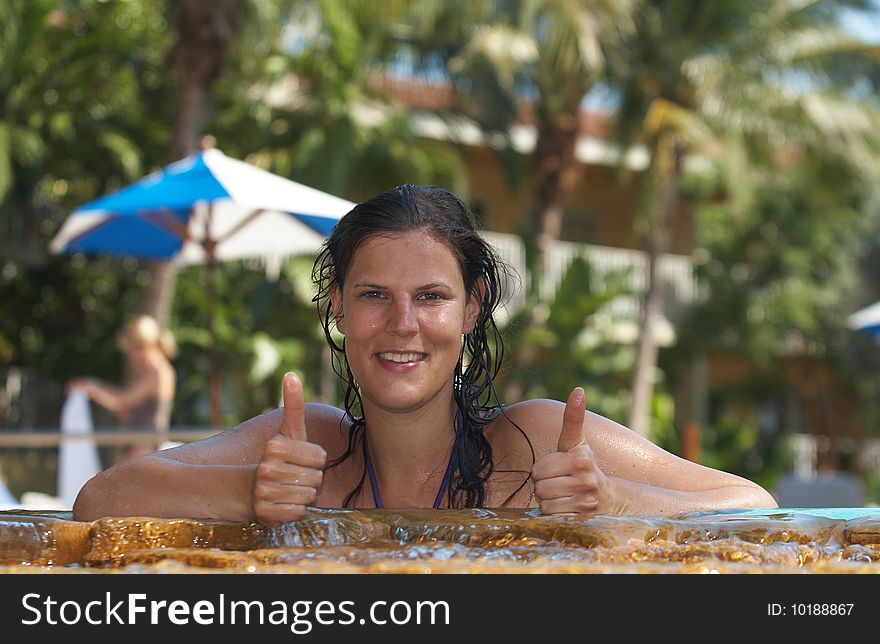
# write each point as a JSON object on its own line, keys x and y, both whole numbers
{"x": 78, "y": 383}
{"x": 291, "y": 470}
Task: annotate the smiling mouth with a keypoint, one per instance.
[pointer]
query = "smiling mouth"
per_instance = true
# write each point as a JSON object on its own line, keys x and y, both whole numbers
{"x": 403, "y": 357}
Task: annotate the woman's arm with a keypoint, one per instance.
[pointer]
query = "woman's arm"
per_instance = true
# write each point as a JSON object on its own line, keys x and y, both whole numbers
{"x": 590, "y": 464}
{"x": 270, "y": 469}
{"x": 646, "y": 479}
{"x": 212, "y": 478}
{"x": 155, "y": 486}
{"x": 118, "y": 400}
{"x": 631, "y": 497}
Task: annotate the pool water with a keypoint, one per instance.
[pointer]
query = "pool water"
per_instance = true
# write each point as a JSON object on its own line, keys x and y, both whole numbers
{"x": 789, "y": 540}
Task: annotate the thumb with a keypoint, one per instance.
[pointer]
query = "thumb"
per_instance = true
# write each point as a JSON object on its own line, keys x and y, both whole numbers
{"x": 293, "y": 421}
{"x": 573, "y": 433}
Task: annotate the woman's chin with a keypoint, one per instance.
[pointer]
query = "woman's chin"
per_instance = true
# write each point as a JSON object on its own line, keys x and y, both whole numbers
{"x": 398, "y": 399}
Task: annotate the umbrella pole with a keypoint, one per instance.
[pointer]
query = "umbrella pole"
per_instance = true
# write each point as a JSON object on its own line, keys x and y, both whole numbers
{"x": 209, "y": 244}
{"x": 213, "y": 356}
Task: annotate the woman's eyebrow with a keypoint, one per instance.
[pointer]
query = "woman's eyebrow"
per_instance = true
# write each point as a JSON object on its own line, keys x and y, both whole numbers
{"x": 433, "y": 285}
{"x": 424, "y": 287}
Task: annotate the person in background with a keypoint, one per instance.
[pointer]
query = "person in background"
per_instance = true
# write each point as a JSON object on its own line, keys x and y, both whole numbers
{"x": 144, "y": 402}
{"x": 412, "y": 287}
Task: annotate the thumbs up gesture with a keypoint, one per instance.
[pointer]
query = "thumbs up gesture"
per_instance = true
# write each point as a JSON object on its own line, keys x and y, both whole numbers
{"x": 291, "y": 470}
{"x": 568, "y": 481}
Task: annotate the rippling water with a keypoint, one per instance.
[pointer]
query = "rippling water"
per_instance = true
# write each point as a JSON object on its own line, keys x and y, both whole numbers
{"x": 430, "y": 541}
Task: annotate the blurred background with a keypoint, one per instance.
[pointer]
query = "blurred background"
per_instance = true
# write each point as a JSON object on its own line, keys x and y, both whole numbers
{"x": 686, "y": 189}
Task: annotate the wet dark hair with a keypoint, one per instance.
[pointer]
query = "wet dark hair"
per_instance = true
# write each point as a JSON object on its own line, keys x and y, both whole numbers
{"x": 444, "y": 217}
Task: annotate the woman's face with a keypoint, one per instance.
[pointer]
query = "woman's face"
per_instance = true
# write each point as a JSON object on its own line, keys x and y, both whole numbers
{"x": 137, "y": 351}
{"x": 403, "y": 310}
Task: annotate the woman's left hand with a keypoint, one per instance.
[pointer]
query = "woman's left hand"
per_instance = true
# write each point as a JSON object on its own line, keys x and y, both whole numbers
{"x": 569, "y": 481}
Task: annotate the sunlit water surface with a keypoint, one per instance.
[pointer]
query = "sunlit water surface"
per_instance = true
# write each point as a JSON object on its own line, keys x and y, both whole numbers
{"x": 462, "y": 541}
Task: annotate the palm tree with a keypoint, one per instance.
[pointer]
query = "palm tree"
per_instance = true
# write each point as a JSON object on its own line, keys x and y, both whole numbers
{"x": 335, "y": 127}
{"x": 738, "y": 83}
{"x": 542, "y": 57}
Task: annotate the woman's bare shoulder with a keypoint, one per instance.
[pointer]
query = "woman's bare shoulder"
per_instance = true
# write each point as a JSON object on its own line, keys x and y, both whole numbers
{"x": 530, "y": 419}
{"x": 619, "y": 451}
{"x": 327, "y": 425}
{"x": 537, "y": 413}
{"x": 319, "y": 417}
{"x": 541, "y": 420}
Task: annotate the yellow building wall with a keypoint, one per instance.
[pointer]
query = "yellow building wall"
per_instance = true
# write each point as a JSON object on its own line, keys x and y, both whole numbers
{"x": 601, "y": 211}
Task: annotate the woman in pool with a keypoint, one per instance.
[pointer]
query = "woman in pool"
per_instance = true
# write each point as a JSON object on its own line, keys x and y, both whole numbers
{"x": 412, "y": 287}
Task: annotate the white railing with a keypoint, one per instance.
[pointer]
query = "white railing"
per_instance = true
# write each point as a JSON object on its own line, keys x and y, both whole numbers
{"x": 804, "y": 453}
{"x": 675, "y": 270}
{"x": 869, "y": 455}
{"x": 804, "y": 450}
{"x": 102, "y": 437}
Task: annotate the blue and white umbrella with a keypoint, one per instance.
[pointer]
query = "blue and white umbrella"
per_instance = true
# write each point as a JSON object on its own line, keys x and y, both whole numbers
{"x": 205, "y": 209}
{"x": 202, "y": 208}
{"x": 867, "y": 320}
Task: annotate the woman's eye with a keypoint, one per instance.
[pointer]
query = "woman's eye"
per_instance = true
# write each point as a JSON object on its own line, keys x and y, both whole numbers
{"x": 371, "y": 294}
{"x": 430, "y": 296}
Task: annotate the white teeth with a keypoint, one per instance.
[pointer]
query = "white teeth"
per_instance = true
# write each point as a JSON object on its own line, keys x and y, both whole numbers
{"x": 402, "y": 357}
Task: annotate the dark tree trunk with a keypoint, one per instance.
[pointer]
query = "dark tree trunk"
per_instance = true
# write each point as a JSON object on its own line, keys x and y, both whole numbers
{"x": 555, "y": 174}
{"x": 205, "y": 34}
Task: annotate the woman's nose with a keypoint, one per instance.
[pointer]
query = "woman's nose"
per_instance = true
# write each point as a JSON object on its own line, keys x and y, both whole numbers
{"x": 402, "y": 319}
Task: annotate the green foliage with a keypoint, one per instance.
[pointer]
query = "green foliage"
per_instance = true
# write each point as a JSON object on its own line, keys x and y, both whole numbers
{"x": 737, "y": 446}
{"x": 872, "y": 490}
{"x": 74, "y": 85}
{"x": 575, "y": 345}
{"x": 780, "y": 279}
{"x": 55, "y": 318}
{"x": 81, "y": 91}
{"x": 332, "y": 129}
{"x": 743, "y": 449}
{"x": 264, "y": 327}
{"x": 777, "y": 278}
